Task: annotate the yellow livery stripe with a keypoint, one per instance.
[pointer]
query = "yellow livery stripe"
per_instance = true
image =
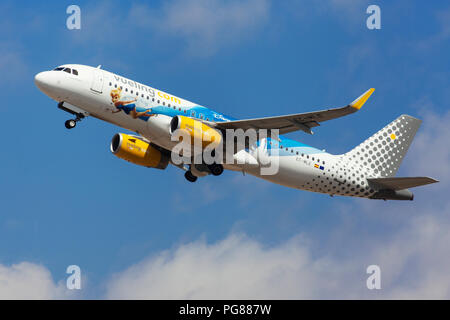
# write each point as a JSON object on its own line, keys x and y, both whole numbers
{"x": 359, "y": 102}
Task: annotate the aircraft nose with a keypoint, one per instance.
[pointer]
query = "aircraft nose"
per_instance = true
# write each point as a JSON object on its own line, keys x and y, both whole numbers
{"x": 41, "y": 80}
{"x": 47, "y": 83}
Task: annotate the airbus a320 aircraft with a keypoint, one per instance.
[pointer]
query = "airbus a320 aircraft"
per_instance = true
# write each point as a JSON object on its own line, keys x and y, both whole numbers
{"x": 367, "y": 171}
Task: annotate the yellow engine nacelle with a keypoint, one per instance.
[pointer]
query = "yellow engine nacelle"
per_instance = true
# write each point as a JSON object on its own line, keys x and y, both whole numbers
{"x": 138, "y": 151}
{"x": 197, "y": 130}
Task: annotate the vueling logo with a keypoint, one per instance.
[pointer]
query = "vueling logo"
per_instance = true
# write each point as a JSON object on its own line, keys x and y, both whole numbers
{"x": 151, "y": 92}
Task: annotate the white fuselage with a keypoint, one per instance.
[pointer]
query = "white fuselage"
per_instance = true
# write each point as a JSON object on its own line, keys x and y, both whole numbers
{"x": 299, "y": 166}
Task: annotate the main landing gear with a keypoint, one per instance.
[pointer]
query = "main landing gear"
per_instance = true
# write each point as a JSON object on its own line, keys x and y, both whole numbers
{"x": 214, "y": 169}
{"x": 189, "y": 176}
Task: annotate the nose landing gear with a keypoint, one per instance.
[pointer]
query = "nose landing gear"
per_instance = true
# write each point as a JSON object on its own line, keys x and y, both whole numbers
{"x": 72, "y": 123}
{"x": 77, "y": 112}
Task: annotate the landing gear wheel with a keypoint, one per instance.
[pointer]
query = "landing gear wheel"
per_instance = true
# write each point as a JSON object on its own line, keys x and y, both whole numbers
{"x": 190, "y": 177}
{"x": 216, "y": 169}
{"x": 70, "y": 124}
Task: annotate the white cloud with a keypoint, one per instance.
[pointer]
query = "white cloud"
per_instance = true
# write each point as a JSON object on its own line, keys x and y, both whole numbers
{"x": 204, "y": 25}
{"x": 349, "y": 12}
{"x": 98, "y": 25}
{"x": 414, "y": 265}
{"x": 27, "y": 280}
{"x": 438, "y": 38}
{"x": 12, "y": 64}
{"x": 443, "y": 18}
{"x": 236, "y": 267}
{"x": 198, "y": 27}
{"x": 408, "y": 240}
{"x": 409, "y": 243}
{"x": 431, "y": 147}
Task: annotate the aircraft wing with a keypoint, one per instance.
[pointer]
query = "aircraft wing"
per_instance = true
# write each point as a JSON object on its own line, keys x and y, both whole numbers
{"x": 299, "y": 121}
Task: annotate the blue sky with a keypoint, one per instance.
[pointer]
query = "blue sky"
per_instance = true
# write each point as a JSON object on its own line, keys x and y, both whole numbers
{"x": 65, "y": 199}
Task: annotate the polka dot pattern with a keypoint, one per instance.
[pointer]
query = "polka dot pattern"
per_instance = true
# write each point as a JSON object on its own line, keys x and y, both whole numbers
{"x": 378, "y": 156}
{"x": 382, "y": 154}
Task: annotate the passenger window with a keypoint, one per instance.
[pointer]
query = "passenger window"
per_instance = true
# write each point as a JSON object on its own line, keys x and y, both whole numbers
{"x": 75, "y": 72}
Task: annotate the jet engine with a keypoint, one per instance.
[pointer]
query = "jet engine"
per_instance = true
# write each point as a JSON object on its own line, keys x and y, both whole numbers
{"x": 138, "y": 151}
{"x": 197, "y": 131}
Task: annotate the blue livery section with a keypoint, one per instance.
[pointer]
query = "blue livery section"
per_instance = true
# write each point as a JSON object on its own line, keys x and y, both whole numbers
{"x": 285, "y": 146}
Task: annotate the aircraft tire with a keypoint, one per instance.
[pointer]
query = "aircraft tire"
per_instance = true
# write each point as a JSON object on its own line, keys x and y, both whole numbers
{"x": 190, "y": 177}
{"x": 216, "y": 169}
{"x": 70, "y": 124}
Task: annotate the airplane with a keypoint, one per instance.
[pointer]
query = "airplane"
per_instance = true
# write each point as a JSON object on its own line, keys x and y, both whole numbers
{"x": 366, "y": 171}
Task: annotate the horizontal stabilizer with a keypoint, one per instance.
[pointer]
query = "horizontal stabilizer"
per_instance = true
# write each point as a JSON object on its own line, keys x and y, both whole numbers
{"x": 401, "y": 183}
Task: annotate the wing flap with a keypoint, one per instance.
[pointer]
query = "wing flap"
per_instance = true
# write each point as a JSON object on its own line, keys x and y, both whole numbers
{"x": 401, "y": 183}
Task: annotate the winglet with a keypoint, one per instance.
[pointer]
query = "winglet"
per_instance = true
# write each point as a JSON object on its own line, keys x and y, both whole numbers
{"x": 358, "y": 103}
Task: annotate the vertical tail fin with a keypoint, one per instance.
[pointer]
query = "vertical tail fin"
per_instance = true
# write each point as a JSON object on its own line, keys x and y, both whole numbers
{"x": 381, "y": 154}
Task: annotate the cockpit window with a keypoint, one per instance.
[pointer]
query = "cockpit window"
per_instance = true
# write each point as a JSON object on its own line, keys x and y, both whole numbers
{"x": 67, "y": 70}
{"x": 75, "y": 72}
{"x": 58, "y": 69}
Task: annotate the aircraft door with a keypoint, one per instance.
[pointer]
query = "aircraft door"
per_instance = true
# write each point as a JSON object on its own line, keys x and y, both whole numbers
{"x": 97, "y": 81}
